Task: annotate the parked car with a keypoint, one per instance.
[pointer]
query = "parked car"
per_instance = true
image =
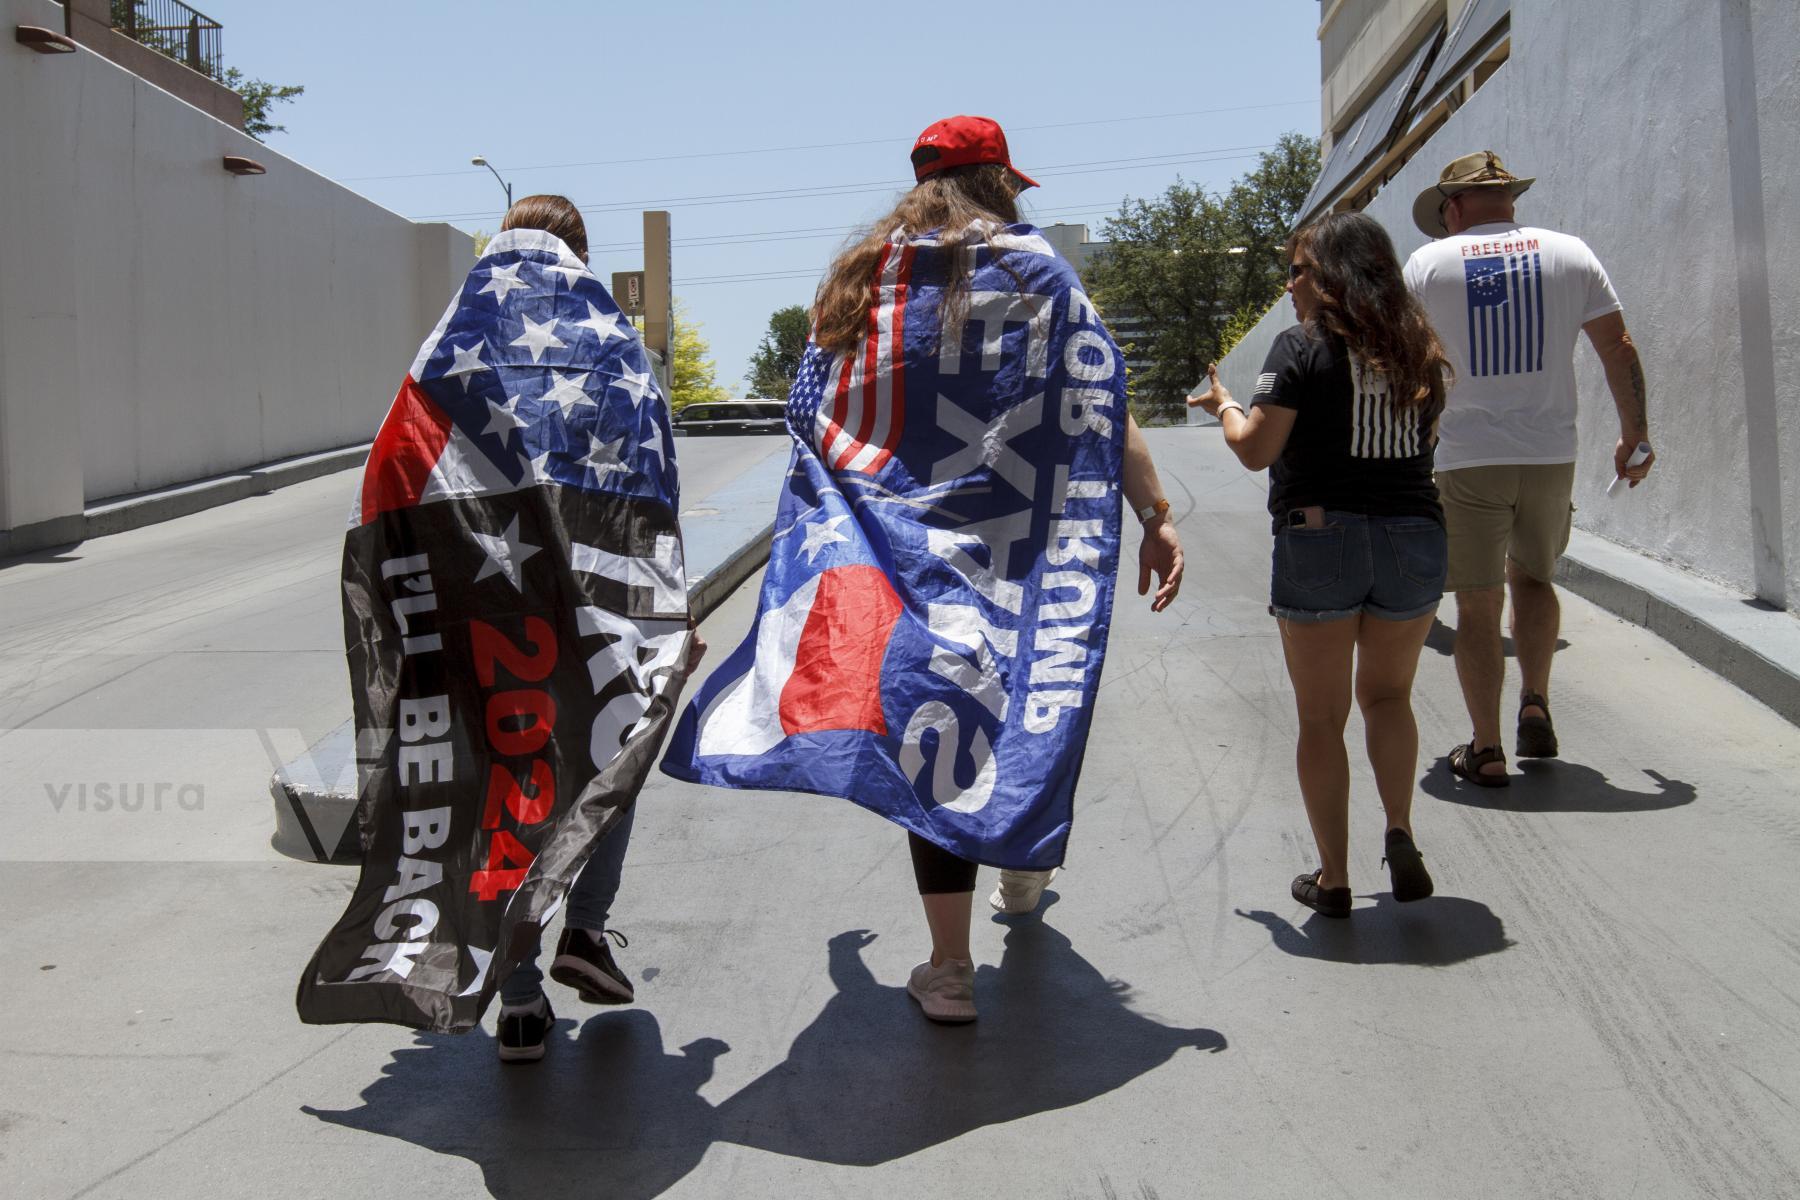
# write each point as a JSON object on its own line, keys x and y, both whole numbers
{"x": 732, "y": 416}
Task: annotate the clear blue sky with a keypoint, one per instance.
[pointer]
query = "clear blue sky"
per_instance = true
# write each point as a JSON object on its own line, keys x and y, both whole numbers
{"x": 399, "y": 95}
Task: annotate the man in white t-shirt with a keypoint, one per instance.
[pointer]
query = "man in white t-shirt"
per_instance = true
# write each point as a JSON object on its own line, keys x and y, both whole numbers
{"x": 1509, "y": 302}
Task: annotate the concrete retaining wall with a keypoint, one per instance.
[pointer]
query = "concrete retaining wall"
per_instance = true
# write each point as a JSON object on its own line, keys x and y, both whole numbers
{"x": 162, "y": 320}
{"x": 1665, "y": 136}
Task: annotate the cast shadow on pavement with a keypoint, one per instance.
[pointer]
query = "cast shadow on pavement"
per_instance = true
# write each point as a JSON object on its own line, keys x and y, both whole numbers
{"x": 1541, "y": 785}
{"x": 1442, "y": 638}
{"x": 610, "y": 1112}
{"x": 1439, "y": 931}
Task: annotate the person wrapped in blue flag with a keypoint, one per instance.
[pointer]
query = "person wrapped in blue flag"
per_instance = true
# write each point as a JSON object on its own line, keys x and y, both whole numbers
{"x": 934, "y": 616}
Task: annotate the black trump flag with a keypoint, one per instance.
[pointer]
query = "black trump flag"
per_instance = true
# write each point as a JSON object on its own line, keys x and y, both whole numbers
{"x": 517, "y": 623}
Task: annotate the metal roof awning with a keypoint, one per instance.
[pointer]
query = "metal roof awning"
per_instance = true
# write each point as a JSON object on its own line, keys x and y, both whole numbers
{"x": 1477, "y": 28}
{"x": 1374, "y": 130}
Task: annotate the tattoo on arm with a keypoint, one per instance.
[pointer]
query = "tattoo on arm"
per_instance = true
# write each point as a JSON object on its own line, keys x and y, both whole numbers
{"x": 1640, "y": 404}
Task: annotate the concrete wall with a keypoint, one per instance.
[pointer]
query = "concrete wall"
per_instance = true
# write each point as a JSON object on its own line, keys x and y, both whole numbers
{"x": 1665, "y": 135}
{"x": 162, "y": 320}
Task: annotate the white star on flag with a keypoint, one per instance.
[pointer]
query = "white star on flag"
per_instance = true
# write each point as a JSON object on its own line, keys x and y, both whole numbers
{"x": 538, "y": 338}
{"x": 467, "y": 363}
{"x": 539, "y": 467}
{"x": 820, "y": 534}
{"x": 654, "y": 444}
{"x": 504, "y": 418}
{"x": 603, "y": 457}
{"x": 504, "y": 281}
{"x": 604, "y": 325}
{"x": 505, "y": 554}
{"x": 568, "y": 393}
{"x": 637, "y": 385}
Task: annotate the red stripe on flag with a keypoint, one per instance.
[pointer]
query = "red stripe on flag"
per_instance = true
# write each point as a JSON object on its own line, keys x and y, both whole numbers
{"x": 838, "y": 404}
{"x": 897, "y": 405}
{"x": 836, "y": 683}
{"x": 408, "y": 446}
{"x": 871, "y": 351}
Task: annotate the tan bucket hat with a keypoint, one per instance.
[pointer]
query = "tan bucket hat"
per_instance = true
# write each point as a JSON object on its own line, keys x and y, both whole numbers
{"x": 1478, "y": 170}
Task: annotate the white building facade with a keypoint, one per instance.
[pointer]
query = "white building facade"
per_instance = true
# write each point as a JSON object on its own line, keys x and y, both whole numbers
{"x": 1666, "y": 134}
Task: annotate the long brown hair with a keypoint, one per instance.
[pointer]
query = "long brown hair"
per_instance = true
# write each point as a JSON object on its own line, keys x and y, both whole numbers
{"x": 949, "y": 200}
{"x": 1363, "y": 299}
{"x": 552, "y": 214}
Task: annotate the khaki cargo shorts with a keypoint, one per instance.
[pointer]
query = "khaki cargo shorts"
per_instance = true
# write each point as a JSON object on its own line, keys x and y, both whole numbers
{"x": 1517, "y": 511}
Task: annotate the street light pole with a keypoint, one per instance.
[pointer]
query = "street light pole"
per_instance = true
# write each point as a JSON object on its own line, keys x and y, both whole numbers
{"x": 479, "y": 161}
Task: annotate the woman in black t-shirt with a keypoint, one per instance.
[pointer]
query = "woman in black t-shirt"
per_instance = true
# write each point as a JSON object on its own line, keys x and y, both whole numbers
{"x": 1345, "y": 417}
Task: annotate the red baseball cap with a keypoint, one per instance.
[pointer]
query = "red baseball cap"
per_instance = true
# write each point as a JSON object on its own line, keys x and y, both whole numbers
{"x": 962, "y": 142}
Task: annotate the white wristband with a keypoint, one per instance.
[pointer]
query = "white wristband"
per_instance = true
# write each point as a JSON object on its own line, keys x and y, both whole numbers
{"x": 1232, "y": 404}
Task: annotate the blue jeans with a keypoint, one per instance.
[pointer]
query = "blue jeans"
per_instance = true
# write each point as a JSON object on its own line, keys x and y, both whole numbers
{"x": 1388, "y": 567}
{"x": 589, "y": 903}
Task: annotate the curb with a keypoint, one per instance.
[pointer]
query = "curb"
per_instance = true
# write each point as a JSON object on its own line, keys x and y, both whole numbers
{"x": 1754, "y": 647}
{"x": 120, "y": 513}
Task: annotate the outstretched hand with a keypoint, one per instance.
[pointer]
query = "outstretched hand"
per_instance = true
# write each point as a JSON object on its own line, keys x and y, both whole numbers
{"x": 1214, "y": 395}
{"x": 1160, "y": 554}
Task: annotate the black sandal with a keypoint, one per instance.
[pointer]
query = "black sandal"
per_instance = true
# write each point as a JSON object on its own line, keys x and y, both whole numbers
{"x": 1327, "y": 902}
{"x": 1466, "y": 763}
{"x": 1537, "y": 736}
{"x": 1406, "y": 867}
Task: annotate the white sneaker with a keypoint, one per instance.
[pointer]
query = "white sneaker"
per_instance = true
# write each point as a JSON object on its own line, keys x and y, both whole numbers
{"x": 946, "y": 992}
{"x": 1020, "y": 891}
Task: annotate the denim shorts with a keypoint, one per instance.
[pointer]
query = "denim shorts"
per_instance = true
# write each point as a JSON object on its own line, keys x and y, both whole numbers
{"x": 1389, "y": 567}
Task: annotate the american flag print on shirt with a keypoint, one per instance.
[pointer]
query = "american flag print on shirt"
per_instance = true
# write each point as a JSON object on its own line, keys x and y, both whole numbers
{"x": 859, "y": 426}
{"x": 1379, "y": 428}
{"x": 1506, "y": 313}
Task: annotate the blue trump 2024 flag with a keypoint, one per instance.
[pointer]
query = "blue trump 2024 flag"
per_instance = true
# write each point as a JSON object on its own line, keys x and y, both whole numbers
{"x": 935, "y": 610}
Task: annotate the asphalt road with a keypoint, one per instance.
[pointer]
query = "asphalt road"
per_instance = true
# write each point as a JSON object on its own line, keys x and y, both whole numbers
{"x": 1602, "y": 1001}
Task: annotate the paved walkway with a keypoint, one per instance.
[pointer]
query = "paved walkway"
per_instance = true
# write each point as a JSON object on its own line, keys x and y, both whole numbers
{"x": 1603, "y": 1001}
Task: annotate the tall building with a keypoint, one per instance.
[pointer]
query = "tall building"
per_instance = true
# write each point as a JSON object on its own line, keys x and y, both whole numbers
{"x": 1391, "y": 73}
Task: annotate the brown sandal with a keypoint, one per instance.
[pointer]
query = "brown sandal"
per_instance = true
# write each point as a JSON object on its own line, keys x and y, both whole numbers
{"x": 1537, "y": 736}
{"x": 1466, "y": 763}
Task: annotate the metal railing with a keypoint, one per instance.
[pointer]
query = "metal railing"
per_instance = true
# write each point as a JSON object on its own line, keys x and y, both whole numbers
{"x": 172, "y": 28}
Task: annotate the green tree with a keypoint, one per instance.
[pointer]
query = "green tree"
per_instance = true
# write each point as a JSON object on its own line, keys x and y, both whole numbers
{"x": 1189, "y": 264}
{"x": 692, "y": 376}
{"x": 259, "y": 97}
{"x": 777, "y": 358}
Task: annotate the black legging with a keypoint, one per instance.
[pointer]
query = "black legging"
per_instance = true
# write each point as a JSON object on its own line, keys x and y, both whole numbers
{"x": 937, "y": 870}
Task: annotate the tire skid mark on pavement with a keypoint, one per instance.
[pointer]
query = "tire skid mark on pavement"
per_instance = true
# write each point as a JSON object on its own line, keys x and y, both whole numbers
{"x": 1704, "y": 1130}
{"x": 214, "y": 1115}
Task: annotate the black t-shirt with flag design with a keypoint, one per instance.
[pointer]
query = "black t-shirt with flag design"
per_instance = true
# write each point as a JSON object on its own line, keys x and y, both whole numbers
{"x": 1352, "y": 449}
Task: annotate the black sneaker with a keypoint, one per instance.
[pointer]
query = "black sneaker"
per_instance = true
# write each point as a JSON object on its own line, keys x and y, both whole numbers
{"x": 523, "y": 1031}
{"x": 1406, "y": 867}
{"x": 584, "y": 962}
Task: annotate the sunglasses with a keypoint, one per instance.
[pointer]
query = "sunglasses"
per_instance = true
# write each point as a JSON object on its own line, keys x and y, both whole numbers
{"x": 1296, "y": 270}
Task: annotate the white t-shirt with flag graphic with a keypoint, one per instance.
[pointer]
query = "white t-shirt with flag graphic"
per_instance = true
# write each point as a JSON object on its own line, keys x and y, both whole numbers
{"x": 1508, "y": 302}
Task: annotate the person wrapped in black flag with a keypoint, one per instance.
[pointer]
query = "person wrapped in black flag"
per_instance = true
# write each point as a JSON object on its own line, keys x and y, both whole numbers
{"x": 517, "y": 623}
